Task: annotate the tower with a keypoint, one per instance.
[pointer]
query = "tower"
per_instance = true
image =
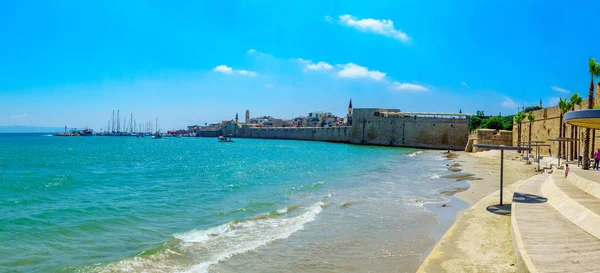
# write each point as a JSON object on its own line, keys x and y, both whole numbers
{"x": 349, "y": 117}
{"x": 541, "y": 103}
{"x": 236, "y": 117}
{"x": 350, "y": 108}
{"x": 247, "y": 116}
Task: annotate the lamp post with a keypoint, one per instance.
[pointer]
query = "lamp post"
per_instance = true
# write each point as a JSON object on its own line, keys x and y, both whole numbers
{"x": 501, "y": 148}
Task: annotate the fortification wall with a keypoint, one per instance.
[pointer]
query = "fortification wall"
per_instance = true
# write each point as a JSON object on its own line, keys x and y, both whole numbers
{"x": 330, "y": 134}
{"x": 545, "y": 126}
{"x": 210, "y": 133}
{"x": 490, "y": 137}
{"x": 409, "y": 131}
{"x": 385, "y": 127}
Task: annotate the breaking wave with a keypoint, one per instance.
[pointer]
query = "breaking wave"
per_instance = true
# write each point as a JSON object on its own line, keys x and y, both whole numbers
{"x": 414, "y": 154}
{"x": 197, "y": 250}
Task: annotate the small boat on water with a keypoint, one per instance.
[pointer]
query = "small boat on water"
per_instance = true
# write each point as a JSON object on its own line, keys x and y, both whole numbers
{"x": 224, "y": 139}
{"x": 87, "y": 132}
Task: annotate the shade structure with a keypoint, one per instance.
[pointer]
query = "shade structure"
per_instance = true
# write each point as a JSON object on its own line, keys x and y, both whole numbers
{"x": 537, "y": 144}
{"x": 584, "y": 118}
{"x": 501, "y": 148}
{"x": 561, "y": 140}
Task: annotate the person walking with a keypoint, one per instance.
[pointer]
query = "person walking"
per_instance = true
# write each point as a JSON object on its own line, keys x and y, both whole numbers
{"x": 596, "y": 159}
{"x": 566, "y": 170}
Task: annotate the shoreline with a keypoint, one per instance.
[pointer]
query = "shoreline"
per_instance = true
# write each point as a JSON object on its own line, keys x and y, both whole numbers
{"x": 465, "y": 246}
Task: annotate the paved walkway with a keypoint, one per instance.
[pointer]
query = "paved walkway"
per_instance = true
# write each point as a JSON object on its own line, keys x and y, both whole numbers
{"x": 551, "y": 241}
{"x": 590, "y": 174}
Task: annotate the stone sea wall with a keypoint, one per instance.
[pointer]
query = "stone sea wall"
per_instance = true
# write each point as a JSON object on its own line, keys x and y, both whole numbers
{"x": 371, "y": 126}
{"x": 490, "y": 137}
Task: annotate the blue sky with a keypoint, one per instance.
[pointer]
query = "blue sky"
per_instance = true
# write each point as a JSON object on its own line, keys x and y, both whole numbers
{"x": 73, "y": 62}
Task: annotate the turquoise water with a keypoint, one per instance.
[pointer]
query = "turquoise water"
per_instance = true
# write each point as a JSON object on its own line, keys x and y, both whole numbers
{"x": 123, "y": 204}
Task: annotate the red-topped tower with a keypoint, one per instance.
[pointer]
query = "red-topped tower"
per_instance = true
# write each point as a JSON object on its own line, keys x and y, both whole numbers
{"x": 350, "y": 108}
{"x": 349, "y": 117}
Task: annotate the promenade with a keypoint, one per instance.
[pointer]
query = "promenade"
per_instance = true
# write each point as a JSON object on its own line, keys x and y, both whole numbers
{"x": 551, "y": 223}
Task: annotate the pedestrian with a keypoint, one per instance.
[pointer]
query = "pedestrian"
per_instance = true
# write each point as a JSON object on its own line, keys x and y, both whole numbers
{"x": 596, "y": 159}
{"x": 566, "y": 170}
{"x": 549, "y": 152}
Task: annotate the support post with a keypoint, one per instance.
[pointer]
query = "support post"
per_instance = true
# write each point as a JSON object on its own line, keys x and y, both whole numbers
{"x": 538, "y": 156}
{"x": 559, "y": 153}
{"x": 501, "y": 174}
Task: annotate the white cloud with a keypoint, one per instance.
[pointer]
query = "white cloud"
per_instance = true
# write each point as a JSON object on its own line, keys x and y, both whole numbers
{"x": 309, "y": 65}
{"x": 508, "y": 103}
{"x": 351, "y": 70}
{"x": 561, "y": 90}
{"x": 553, "y": 101}
{"x": 303, "y": 61}
{"x": 228, "y": 70}
{"x": 464, "y": 84}
{"x": 250, "y": 51}
{"x": 383, "y": 27}
{"x": 269, "y": 85}
{"x": 18, "y": 116}
{"x": 223, "y": 69}
{"x": 247, "y": 73}
{"x": 318, "y": 66}
{"x": 409, "y": 87}
{"x": 328, "y": 18}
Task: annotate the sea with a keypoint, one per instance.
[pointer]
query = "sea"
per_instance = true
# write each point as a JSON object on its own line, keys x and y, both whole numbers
{"x": 128, "y": 204}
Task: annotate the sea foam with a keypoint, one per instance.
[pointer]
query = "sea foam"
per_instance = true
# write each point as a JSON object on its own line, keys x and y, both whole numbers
{"x": 197, "y": 250}
{"x": 217, "y": 244}
{"x": 414, "y": 154}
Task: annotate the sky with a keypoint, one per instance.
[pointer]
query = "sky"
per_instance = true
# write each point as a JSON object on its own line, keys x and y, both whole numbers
{"x": 194, "y": 62}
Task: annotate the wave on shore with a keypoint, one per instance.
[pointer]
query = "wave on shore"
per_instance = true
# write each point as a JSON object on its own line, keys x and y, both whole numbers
{"x": 414, "y": 154}
{"x": 197, "y": 250}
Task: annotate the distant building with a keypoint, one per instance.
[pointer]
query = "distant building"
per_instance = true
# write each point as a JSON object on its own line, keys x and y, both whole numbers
{"x": 321, "y": 119}
{"x": 288, "y": 123}
{"x": 266, "y": 121}
{"x": 247, "y": 117}
{"x": 236, "y": 117}
{"x": 300, "y": 121}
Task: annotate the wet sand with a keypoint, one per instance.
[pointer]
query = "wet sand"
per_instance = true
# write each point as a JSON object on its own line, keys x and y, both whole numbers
{"x": 479, "y": 240}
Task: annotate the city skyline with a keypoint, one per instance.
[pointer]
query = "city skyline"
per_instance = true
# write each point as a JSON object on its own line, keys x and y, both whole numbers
{"x": 72, "y": 63}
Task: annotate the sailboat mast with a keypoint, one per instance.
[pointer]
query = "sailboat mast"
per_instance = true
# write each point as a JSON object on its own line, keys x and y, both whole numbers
{"x": 156, "y": 125}
{"x": 118, "y": 122}
{"x": 113, "y": 121}
{"x": 131, "y": 123}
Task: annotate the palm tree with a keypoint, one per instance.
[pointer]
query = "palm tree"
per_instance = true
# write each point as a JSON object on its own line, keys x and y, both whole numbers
{"x": 564, "y": 107}
{"x": 594, "y": 69}
{"x": 531, "y": 118}
{"x": 518, "y": 120}
{"x": 576, "y": 99}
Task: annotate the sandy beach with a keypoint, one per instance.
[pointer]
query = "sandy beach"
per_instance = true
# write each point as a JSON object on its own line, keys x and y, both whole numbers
{"x": 479, "y": 240}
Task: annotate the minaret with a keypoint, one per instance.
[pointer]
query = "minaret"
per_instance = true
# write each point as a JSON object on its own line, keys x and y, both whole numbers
{"x": 350, "y": 108}
{"x": 541, "y": 103}
{"x": 236, "y": 117}
{"x": 247, "y": 116}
